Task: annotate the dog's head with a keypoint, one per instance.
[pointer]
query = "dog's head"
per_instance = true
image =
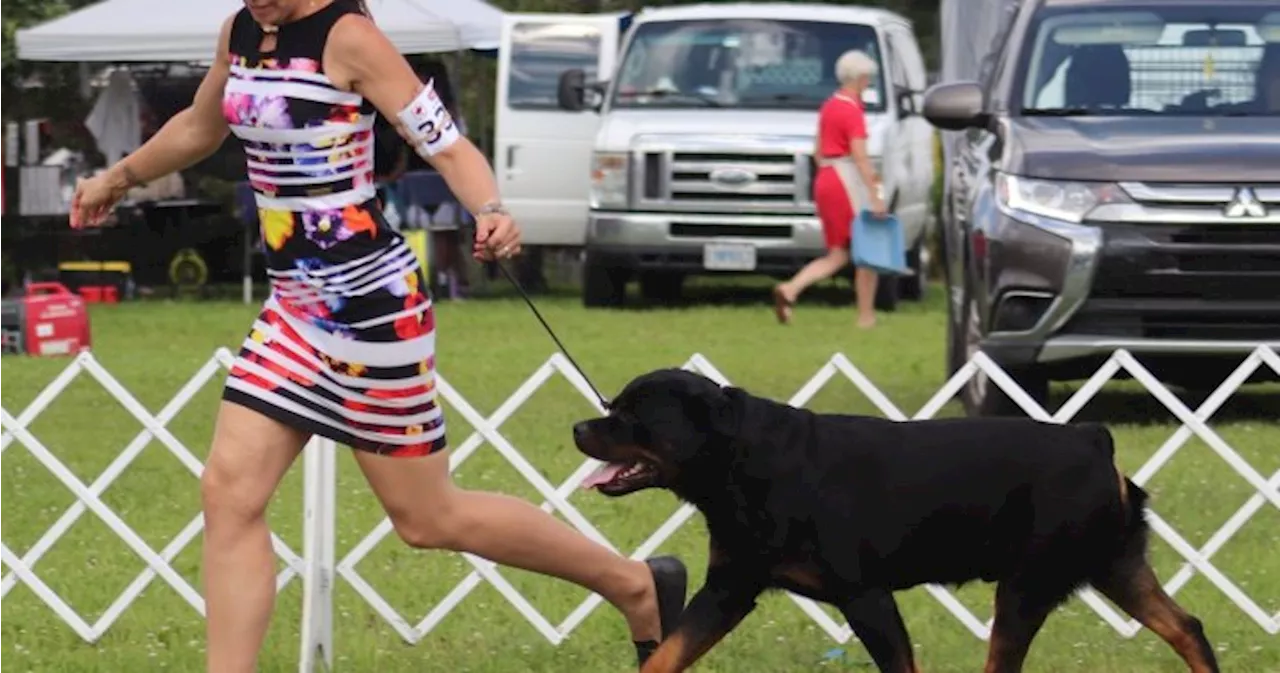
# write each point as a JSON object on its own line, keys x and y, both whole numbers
{"x": 665, "y": 429}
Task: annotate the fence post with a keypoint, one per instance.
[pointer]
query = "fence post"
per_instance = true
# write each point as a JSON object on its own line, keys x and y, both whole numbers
{"x": 319, "y": 487}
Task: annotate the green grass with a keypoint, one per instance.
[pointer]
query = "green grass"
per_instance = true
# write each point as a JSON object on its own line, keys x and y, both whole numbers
{"x": 487, "y": 348}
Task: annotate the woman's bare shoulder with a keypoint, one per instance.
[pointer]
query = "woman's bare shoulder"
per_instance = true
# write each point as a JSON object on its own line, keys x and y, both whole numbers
{"x": 224, "y": 33}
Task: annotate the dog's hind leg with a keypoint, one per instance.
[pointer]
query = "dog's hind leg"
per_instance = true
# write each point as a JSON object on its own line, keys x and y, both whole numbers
{"x": 1021, "y": 609}
{"x": 1132, "y": 584}
{"x": 876, "y": 621}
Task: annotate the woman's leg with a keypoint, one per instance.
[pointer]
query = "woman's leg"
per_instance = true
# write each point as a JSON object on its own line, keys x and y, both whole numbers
{"x": 835, "y": 211}
{"x": 817, "y": 270}
{"x": 865, "y": 281}
{"x": 250, "y": 455}
{"x": 430, "y": 512}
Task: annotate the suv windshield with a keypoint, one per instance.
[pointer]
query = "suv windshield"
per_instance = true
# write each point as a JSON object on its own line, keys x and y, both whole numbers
{"x": 742, "y": 63}
{"x": 1217, "y": 58}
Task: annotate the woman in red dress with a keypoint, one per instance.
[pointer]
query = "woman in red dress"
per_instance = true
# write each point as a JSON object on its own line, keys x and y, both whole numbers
{"x": 839, "y": 189}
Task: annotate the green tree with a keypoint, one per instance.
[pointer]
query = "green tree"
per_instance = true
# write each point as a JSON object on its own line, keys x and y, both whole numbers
{"x": 48, "y": 90}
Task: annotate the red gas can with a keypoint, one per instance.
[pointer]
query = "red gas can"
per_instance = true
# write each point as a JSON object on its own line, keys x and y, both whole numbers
{"x": 56, "y": 322}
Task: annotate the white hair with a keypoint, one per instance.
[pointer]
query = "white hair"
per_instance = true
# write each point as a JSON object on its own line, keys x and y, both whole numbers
{"x": 854, "y": 64}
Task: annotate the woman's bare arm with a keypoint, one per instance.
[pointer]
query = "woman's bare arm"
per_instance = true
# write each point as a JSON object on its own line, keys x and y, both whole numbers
{"x": 359, "y": 57}
{"x": 189, "y": 136}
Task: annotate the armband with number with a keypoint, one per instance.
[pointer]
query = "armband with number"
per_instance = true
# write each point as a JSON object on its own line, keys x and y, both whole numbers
{"x": 427, "y": 124}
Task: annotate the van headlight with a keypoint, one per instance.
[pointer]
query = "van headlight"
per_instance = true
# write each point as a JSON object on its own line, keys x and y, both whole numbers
{"x": 609, "y": 171}
{"x": 1065, "y": 200}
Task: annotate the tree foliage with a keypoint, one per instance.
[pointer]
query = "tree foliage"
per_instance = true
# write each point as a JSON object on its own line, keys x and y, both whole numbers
{"x": 48, "y": 90}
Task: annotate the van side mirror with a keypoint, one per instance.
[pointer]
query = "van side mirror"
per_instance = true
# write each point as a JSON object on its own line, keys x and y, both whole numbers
{"x": 906, "y": 104}
{"x": 575, "y": 94}
{"x": 571, "y": 93}
{"x": 955, "y": 106}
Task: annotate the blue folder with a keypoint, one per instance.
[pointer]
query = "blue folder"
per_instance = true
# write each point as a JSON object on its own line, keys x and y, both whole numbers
{"x": 878, "y": 244}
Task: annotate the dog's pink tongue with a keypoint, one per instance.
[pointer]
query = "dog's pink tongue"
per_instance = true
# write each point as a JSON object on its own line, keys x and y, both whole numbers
{"x": 603, "y": 475}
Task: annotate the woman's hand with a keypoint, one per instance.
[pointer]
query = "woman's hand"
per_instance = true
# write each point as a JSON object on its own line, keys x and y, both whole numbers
{"x": 95, "y": 197}
{"x": 497, "y": 237}
{"x": 877, "y": 206}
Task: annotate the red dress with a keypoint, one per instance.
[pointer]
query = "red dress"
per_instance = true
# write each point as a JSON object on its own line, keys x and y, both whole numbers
{"x": 840, "y": 120}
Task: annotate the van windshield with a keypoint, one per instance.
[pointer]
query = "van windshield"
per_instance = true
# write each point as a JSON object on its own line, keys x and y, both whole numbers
{"x": 740, "y": 63}
{"x": 1217, "y": 58}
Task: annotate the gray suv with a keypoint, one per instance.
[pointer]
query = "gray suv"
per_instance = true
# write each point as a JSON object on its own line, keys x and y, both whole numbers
{"x": 1116, "y": 185}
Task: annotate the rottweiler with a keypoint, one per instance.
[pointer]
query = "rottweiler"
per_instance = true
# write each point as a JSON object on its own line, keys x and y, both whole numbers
{"x": 848, "y": 509}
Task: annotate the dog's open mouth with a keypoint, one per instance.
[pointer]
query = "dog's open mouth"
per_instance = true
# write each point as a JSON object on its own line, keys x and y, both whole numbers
{"x": 621, "y": 478}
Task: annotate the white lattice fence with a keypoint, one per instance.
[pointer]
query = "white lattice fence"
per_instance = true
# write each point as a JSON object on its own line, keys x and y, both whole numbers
{"x": 319, "y": 568}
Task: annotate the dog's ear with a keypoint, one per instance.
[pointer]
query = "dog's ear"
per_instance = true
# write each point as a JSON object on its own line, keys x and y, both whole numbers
{"x": 724, "y": 410}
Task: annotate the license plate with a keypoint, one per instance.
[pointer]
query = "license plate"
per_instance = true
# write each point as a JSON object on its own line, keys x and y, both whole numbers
{"x": 729, "y": 257}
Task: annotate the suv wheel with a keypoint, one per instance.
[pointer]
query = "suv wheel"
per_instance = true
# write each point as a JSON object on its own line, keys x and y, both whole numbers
{"x": 661, "y": 287}
{"x": 980, "y": 395}
{"x": 602, "y": 285}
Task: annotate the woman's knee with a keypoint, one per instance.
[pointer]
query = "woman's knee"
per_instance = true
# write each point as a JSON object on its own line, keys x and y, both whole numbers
{"x": 244, "y": 469}
{"x": 229, "y": 494}
{"x": 437, "y": 523}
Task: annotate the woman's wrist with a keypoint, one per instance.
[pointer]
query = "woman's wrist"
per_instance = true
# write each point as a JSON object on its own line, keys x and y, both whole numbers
{"x": 121, "y": 178}
{"x": 491, "y": 207}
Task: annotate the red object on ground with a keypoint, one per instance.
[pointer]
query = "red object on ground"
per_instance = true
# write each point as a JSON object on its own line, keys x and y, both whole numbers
{"x": 92, "y": 294}
{"x": 110, "y": 294}
{"x": 55, "y": 320}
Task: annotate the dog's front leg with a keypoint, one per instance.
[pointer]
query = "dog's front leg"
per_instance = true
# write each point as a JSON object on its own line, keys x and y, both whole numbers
{"x": 876, "y": 621}
{"x": 723, "y": 601}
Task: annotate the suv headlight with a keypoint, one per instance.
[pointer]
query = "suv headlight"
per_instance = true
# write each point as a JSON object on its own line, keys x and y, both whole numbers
{"x": 609, "y": 171}
{"x": 1068, "y": 201}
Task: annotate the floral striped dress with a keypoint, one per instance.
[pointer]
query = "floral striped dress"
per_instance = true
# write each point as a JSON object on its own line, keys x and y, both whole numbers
{"x": 344, "y": 346}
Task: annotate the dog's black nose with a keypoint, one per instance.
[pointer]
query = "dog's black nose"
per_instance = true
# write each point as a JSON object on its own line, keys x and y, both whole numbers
{"x": 580, "y": 432}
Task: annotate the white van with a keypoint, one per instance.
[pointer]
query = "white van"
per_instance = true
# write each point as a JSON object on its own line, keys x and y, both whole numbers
{"x": 694, "y": 154}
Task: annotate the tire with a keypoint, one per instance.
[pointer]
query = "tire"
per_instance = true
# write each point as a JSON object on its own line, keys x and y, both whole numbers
{"x": 912, "y": 288}
{"x": 603, "y": 286}
{"x": 887, "y": 294}
{"x": 980, "y": 396}
{"x": 661, "y": 287}
{"x": 956, "y": 355}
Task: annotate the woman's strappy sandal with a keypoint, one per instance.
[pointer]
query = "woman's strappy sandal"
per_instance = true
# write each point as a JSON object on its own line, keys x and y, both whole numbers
{"x": 670, "y": 583}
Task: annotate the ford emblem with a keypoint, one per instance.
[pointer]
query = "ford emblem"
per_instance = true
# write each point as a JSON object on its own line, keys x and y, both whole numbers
{"x": 732, "y": 177}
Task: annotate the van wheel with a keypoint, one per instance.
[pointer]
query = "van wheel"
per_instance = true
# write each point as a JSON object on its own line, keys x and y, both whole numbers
{"x": 661, "y": 287}
{"x": 887, "y": 294}
{"x": 603, "y": 285}
{"x": 912, "y": 288}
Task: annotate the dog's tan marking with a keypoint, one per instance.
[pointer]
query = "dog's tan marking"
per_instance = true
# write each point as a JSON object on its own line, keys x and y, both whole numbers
{"x": 676, "y": 653}
{"x": 1124, "y": 487}
{"x": 802, "y": 575}
{"x": 668, "y": 658}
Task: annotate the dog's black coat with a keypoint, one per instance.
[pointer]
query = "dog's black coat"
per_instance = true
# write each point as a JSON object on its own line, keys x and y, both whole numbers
{"x": 847, "y": 509}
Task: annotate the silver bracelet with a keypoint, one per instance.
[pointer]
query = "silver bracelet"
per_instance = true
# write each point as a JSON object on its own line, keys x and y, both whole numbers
{"x": 492, "y": 208}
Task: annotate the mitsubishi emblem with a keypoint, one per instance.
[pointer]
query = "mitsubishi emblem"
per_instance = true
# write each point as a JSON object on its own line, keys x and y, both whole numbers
{"x": 1245, "y": 204}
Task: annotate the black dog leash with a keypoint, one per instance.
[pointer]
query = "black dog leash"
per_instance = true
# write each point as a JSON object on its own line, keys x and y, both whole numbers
{"x": 604, "y": 402}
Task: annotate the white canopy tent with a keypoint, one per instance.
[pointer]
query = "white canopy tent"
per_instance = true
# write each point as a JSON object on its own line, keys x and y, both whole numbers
{"x": 172, "y": 30}
{"x": 178, "y": 31}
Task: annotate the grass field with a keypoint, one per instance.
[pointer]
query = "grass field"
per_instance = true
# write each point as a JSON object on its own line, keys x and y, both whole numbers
{"x": 487, "y": 348}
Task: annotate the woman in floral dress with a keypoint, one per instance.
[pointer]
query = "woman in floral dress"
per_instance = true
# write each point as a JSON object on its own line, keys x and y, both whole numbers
{"x": 344, "y": 347}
